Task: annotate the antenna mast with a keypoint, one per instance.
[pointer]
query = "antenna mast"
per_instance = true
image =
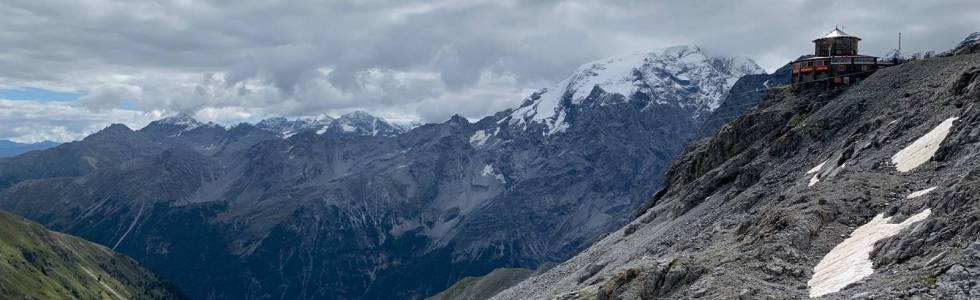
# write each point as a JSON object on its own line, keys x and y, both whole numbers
{"x": 899, "y": 44}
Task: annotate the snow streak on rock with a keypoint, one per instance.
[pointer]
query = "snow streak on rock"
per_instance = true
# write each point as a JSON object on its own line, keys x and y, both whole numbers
{"x": 923, "y": 148}
{"x": 817, "y": 168}
{"x": 920, "y": 193}
{"x": 850, "y": 261}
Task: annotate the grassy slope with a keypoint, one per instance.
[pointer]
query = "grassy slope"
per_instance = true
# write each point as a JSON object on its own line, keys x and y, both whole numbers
{"x": 36, "y": 263}
{"x": 476, "y": 288}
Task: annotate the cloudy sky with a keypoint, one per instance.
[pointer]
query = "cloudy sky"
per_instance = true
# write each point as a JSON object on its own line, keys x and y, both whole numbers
{"x": 68, "y": 68}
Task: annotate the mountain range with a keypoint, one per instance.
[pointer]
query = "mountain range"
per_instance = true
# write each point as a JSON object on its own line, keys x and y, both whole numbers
{"x": 599, "y": 187}
{"x": 359, "y": 208}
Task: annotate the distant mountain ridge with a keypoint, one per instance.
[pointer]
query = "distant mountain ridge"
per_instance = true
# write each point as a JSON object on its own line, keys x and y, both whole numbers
{"x": 356, "y": 123}
{"x": 366, "y": 209}
{"x": 10, "y": 148}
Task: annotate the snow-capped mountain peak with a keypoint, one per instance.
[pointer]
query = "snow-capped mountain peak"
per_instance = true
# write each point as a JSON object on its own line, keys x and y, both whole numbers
{"x": 356, "y": 123}
{"x": 181, "y": 119}
{"x": 176, "y": 125}
{"x": 684, "y": 76}
{"x": 283, "y": 127}
{"x": 318, "y": 124}
{"x": 362, "y": 123}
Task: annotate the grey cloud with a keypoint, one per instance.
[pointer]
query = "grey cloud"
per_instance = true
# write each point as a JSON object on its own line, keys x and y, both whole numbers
{"x": 427, "y": 58}
{"x": 109, "y": 96}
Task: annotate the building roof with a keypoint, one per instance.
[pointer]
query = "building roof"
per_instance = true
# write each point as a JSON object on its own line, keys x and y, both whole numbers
{"x": 837, "y": 33}
{"x": 836, "y": 56}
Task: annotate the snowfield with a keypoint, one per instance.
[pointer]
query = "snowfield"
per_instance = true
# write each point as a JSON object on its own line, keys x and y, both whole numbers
{"x": 850, "y": 261}
{"x": 923, "y": 148}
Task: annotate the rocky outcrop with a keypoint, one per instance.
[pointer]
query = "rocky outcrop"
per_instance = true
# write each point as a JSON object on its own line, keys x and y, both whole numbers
{"x": 971, "y": 44}
{"x": 751, "y": 211}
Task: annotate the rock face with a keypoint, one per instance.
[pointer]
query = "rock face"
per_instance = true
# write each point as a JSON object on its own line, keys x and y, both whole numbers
{"x": 800, "y": 183}
{"x": 41, "y": 264}
{"x": 363, "y": 209}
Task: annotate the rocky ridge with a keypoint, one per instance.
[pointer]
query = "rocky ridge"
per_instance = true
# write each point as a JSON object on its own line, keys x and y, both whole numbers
{"x": 798, "y": 182}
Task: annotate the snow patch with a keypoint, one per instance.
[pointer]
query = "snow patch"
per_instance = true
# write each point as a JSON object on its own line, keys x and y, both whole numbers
{"x": 923, "y": 148}
{"x": 917, "y": 194}
{"x": 479, "y": 138}
{"x": 817, "y": 168}
{"x": 816, "y": 173}
{"x": 814, "y": 180}
{"x": 850, "y": 261}
{"x": 490, "y": 171}
{"x": 402, "y": 227}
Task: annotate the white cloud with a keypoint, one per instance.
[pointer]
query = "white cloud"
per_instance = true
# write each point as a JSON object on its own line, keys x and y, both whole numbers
{"x": 29, "y": 121}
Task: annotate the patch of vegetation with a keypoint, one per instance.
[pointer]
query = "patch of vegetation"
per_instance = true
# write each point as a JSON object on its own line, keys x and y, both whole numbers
{"x": 40, "y": 264}
{"x": 930, "y": 281}
{"x": 485, "y": 286}
{"x": 796, "y": 120}
{"x": 609, "y": 288}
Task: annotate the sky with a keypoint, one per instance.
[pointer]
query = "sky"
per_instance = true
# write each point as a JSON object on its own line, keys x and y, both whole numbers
{"x": 69, "y": 68}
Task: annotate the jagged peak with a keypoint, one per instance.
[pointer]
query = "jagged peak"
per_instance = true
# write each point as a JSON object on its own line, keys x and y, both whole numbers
{"x": 272, "y": 120}
{"x": 114, "y": 130}
{"x": 117, "y": 127}
{"x": 457, "y": 119}
{"x": 660, "y": 74}
{"x": 177, "y": 124}
{"x": 357, "y": 122}
{"x": 358, "y": 114}
{"x": 181, "y": 119}
{"x": 318, "y": 119}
